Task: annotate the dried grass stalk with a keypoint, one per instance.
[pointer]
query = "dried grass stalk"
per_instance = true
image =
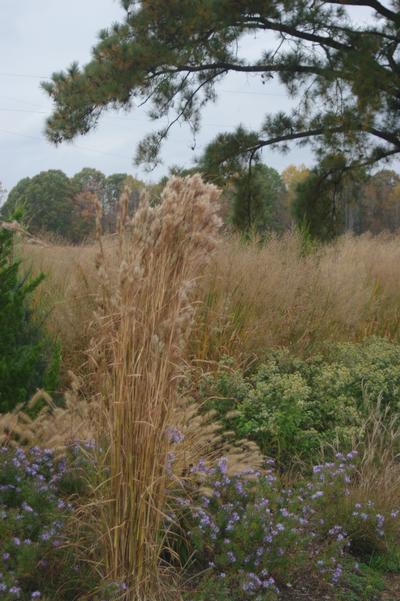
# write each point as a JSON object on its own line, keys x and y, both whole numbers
{"x": 143, "y": 320}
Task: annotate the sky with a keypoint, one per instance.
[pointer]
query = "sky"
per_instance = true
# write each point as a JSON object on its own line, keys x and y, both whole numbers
{"x": 38, "y": 37}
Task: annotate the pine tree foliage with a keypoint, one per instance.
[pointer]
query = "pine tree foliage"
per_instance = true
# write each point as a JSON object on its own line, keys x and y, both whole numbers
{"x": 28, "y": 359}
{"x": 339, "y": 59}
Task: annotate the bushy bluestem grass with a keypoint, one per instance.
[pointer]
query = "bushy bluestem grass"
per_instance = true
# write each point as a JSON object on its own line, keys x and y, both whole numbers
{"x": 257, "y": 538}
{"x": 143, "y": 318}
{"x": 293, "y": 407}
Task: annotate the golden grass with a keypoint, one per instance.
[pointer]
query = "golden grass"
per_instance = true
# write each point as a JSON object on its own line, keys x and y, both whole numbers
{"x": 379, "y": 473}
{"x": 53, "y": 427}
{"x": 143, "y": 318}
{"x": 253, "y": 297}
{"x": 256, "y": 297}
{"x": 66, "y": 297}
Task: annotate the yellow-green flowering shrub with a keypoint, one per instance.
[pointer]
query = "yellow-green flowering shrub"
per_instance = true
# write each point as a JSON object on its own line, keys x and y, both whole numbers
{"x": 292, "y": 407}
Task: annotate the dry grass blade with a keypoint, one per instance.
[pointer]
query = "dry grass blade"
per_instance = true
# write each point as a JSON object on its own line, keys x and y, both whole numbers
{"x": 379, "y": 473}
{"x": 262, "y": 295}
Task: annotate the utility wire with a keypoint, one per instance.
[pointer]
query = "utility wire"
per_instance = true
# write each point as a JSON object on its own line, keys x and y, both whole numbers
{"x": 19, "y": 110}
{"x": 86, "y": 148}
{"x": 249, "y": 92}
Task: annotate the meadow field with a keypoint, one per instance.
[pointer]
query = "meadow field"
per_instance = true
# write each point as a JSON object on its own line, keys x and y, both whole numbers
{"x": 226, "y": 419}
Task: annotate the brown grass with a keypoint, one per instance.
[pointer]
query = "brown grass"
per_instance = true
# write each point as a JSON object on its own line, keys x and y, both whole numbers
{"x": 66, "y": 297}
{"x": 379, "y": 474}
{"x": 53, "y": 427}
{"x": 256, "y": 297}
{"x": 144, "y": 315}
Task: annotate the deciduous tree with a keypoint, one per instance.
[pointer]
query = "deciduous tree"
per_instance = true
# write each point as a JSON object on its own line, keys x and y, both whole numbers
{"x": 46, "y": 201}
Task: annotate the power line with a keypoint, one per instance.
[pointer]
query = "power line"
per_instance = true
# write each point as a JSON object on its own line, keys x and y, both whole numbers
{"x": 18, "y": 110}
{"x": 86, "y": 148}
{"x": 23, "y": 111}
{"x": 248, "y": 92}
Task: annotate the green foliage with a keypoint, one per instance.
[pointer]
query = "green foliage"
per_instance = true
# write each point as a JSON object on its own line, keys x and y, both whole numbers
{"x": 51, "y": 202}
{"x": 223, "y": 158}
{"x": 13, "y": 198}
{"x": 28, "y": 358}
{"x": 257, "y": 199}
{"x": 323, "y": 199}
{"x": 254, "y": 190}
{"x": 343, "y": 76}
{"x": 46, "y": 201}
{"x": 292, "y": 407}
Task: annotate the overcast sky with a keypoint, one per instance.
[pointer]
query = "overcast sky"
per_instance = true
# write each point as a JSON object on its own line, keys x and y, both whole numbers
{"x": 38, "y": 37}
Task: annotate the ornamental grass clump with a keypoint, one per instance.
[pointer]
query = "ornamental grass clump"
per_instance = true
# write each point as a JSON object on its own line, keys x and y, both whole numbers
{"x": 143, "y": 319}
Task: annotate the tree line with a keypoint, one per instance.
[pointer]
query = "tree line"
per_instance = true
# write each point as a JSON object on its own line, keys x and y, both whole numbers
{"x": 53, "y": 203}
{"x": 256, "y": 201}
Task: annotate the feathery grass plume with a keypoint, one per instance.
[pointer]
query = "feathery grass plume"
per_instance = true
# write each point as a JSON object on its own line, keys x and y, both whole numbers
{"x": 202, "y": 438}
{"x": 53, "y": 427}
{"x": 17, "y": 228}
{"x": 143, "y": 320}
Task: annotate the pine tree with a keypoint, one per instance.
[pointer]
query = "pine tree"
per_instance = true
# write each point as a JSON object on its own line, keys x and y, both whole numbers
{"x": 344, "y": 73}
{"x": 28, "y": 359}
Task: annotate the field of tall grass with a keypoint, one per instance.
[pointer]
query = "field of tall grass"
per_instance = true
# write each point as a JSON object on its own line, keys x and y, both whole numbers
{"x": 227, "y": 420}
{"x": 252, "y": 296}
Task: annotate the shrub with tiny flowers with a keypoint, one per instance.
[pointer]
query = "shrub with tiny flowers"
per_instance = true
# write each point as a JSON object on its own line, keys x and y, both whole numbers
{"x": 257, "y": 538}
{"x": 291, "y": 407}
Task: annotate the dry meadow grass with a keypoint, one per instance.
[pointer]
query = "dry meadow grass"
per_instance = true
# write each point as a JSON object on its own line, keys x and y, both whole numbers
{"x": 252, "y": 296}
{"x": 257, "y": 297}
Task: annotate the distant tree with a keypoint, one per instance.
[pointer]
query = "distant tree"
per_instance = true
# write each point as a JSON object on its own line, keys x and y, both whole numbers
{"x": 257, "y": 198}
{"x": 114, "y": 185}
{"x": 292, "y": 176}
{"x": 321, "y": 201}
{"x": 380, "y": 208}
{"x": 46, "y": 201}
{"x": 89, "y": 186}
{"x": 90, "y": 180}
{"x": 14, "y": 199}
{"x": 255, "y": 192}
